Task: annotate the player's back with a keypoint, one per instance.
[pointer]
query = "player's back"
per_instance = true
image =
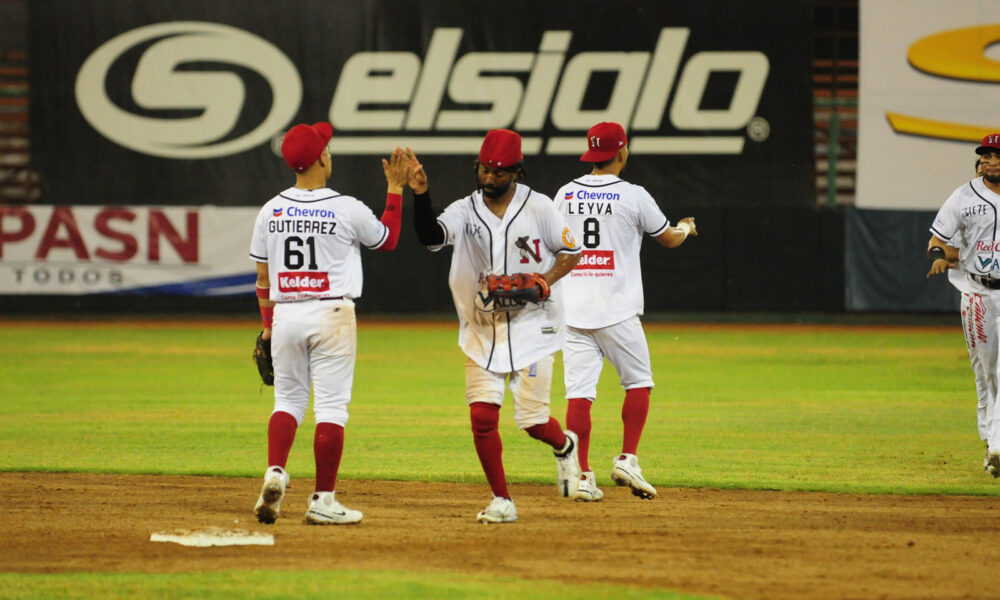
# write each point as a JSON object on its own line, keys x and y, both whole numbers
{"x": 609, "y": 216}
{"x": 312, "y": 241}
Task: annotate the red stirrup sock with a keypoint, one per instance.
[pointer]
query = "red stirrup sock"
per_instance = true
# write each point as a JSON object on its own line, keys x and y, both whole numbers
{"x": 280, "y": 435}
{"x": 578, "y": 421}
{"x": 634, "y": 411}
{"x": 485, "y": 418}
{"x": 328, "y": 448}
{"x": 551, "y": 433}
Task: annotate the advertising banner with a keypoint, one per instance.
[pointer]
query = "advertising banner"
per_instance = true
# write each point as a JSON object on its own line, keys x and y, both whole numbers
{"x": 185, "y": 102}
{"x": 928, "y": 95}
{"x": 72, "y": 250}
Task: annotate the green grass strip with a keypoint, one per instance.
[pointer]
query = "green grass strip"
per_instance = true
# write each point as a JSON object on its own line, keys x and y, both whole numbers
{"x": 306, "y": 585}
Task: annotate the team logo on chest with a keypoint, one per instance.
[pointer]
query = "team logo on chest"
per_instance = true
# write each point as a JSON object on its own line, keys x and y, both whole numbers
{"x": 526, "y": 250}
{"x": 474, "y": 230}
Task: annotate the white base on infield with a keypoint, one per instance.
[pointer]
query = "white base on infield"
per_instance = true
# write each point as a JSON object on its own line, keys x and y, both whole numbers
{"x": 213, "y": 536}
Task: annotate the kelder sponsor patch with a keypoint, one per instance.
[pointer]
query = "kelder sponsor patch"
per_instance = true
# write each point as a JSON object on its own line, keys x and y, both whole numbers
{"x": 596, "y": 260}
{"x": 303, "y": 281}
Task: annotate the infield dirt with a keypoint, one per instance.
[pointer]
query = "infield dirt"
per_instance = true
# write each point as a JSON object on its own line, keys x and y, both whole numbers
{"x": 736, "y": 544}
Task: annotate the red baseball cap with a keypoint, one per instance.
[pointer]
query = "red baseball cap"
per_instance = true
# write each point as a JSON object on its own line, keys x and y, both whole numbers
{"x": 990, "y": 142}
{"x": 501, "y": 148}
{"x": 604, "y": 140}
{"x": 303, "y": 144}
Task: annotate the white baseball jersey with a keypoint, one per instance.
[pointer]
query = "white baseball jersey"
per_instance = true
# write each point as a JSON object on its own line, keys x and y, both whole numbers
{"x": 610, "y": 216}
{"x": 311, "y": 241}
{"x": 526, "y": 240}
{"x": 968, "y": 220}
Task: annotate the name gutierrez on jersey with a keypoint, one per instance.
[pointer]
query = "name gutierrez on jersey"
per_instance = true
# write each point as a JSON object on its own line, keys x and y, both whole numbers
{"x": 303, "y": 226}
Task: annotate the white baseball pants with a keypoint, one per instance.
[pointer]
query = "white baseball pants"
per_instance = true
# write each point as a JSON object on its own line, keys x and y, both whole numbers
{"x": 981, "y": 322}
{"x": 624, "y": 344}
{"x": 530, "y": 387}
{"x": 314, "y": 345}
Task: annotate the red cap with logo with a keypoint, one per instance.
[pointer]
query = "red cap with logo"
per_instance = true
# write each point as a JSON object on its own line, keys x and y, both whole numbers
{"x": 604, "y": 140}
{"x": 990, "y": 142}
{"x": 501, "y": 148}
{"x": 303, "y": 144}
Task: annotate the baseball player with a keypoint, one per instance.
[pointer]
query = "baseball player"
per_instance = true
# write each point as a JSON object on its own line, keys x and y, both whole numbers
{"x": 604, "y": 299}
{"x": 965, "y": 244}
{"x": 306, "y": 242}
{"x": 504, "y": 227}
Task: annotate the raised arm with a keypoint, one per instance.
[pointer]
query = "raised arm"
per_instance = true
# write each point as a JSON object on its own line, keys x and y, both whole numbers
{"x": 675, "y": 236}
{"x": 397, "y": 173}
{"x": 429, "y": 232}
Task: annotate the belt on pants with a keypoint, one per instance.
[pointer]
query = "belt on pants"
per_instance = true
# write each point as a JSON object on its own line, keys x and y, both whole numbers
{"x": 334, "y": 298}
{"x": 993, "y": 284}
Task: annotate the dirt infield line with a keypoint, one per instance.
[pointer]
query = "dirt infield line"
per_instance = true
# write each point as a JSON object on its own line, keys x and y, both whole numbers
{"x": 735, "y": 544}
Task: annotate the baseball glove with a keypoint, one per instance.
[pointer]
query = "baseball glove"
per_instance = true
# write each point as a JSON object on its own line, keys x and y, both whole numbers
{"x": 525, "y": 287}
{"x": 262, "y": 357}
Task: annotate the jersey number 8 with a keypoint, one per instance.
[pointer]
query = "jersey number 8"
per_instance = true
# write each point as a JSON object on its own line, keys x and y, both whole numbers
{"x": 591, "y": 233}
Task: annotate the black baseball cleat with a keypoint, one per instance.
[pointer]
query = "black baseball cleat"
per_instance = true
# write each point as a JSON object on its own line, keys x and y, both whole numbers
{"x": 568, "y": 466}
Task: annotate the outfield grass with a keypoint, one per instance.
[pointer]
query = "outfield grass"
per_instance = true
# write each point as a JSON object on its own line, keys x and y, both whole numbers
{"x": 791, "y": 408}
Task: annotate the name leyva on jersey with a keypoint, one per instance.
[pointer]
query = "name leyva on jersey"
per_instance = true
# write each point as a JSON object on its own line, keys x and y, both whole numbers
{"x": 309, "y": 224}
{"x": 586, "y": 202}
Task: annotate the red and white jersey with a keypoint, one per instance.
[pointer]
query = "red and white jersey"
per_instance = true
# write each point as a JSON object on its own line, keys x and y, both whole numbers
{"x": 311, "y": 241}
{"x": 609, "y": 216}
{"x": 968, "y": 220}
{"x": 526, "y": 240}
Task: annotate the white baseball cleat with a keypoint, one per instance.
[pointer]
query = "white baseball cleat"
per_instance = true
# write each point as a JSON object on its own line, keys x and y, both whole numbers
{"x": 627, "y": 472}
{"x": 568, "y": 466}
{"x": 325, "y": 510}
{"x": 271, "y": 494}
{"x": 588, "y": 490}
{"x": 993, "y": 463}
{"x": 500, "y": 510}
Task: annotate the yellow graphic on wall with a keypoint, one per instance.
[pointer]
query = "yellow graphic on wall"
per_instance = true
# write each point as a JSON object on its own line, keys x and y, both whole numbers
{"x": 955, "y": 54}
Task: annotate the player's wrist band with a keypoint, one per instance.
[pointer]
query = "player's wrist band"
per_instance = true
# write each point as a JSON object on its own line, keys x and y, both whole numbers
{"x": 266, "y": 312}
{"x": 935, "y": 252}
{"x": 685, "y": 228}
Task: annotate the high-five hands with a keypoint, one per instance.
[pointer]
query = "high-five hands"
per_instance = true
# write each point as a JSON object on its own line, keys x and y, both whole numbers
{"x": 418, "y": 177}
{"x": 398, "y": 170}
